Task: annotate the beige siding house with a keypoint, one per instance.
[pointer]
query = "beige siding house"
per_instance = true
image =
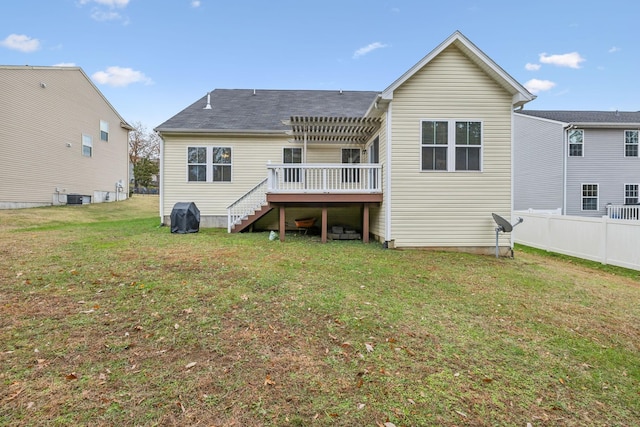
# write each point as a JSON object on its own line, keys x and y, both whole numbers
{"x": 61, "y": 140}
{"x": 422, "y": 164}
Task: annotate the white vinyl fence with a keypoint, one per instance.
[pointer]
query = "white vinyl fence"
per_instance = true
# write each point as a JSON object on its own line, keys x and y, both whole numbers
{"x": 606, "y": 240}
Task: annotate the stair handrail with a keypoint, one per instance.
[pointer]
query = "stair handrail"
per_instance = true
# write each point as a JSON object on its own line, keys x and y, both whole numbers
{"x": 248, "y": 203}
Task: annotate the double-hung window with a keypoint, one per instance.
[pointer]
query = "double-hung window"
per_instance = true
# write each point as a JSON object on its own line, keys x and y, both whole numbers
{"x": 197, "y": 163}
{"x": 435, "y": 141}
{"x": 451, "y": 145}
{"x": 631, "y": 143}
{"x": 209, "y": 164}
{"x": 576, "y": 142}
{"x": 630, "y": 194}
{"x": 104, "y": 131}
{"x": 589, "y": 197}
{"x": 87, "y": 145}
{"x": 468, "y": 146}
{"x": 221, "y": 165}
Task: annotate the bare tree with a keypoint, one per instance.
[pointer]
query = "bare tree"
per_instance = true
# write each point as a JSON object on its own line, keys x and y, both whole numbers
{"x": 144, "y": 146}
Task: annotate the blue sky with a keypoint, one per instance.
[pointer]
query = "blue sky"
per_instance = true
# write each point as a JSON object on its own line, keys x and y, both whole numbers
{"x": 152, "y": 58}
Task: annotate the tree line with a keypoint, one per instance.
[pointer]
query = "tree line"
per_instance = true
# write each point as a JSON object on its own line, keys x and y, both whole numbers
{"x": 144, "y": 154}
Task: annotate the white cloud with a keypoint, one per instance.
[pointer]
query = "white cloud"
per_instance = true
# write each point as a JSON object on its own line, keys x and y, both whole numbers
{"x": 120, "y": 77}
{"x": 368, "y": 49}
{"x": 110, "y": 3}
{"x": 614, "y": 49}
{"x": 101, "y": 15}
{"x": 571, "y": 60}
{"x": 534, "y": 85}
{"x": 196, "y": 3}
{"x": 532, "y": 67}
{"x": 21, "y": 42}
{"x": 65, "y": 64}
{"x": 105, "y": 11}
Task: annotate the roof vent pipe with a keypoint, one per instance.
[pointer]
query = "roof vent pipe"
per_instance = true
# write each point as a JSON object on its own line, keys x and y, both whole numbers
{"x": 254, "y": 92}
{"x": 208, "y": 106}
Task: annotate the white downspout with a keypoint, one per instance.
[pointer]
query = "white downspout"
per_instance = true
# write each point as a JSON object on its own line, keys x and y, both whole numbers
{"x": 511, "y": 180}
{"x": 161, "y": 184}
{"x": 565, "y": 155}
{"x": 387, "y": 190}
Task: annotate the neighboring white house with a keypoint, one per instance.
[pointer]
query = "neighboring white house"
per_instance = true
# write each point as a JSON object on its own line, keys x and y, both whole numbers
{"x": 421, "y": 164}
{"x": 61, "y": 140}
{"x": 577, "y": 161}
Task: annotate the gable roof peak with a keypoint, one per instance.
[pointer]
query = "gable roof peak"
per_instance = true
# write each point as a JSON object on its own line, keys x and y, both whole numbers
{"x": 519, "y": 93}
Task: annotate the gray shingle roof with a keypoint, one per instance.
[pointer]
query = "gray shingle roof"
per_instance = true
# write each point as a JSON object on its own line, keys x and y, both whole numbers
{"x": 585, "y": 116}
{"x": 241, "y": 109}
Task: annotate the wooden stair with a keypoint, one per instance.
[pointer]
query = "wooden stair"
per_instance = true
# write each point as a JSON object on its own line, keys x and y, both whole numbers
{"x": 250, "y": 219}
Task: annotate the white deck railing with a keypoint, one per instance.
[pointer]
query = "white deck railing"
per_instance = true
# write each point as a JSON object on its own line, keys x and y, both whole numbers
{"x": 623, "y": 211}
{"x": 247, "y": 204}
{"x": 324, "y": 178}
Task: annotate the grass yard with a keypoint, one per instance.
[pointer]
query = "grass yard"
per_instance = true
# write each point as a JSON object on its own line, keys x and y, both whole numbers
{"x": 108, "y": 319}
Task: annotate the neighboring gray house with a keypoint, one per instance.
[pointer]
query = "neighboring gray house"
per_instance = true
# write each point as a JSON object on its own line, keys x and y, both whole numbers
{"x": 578, "y": 161}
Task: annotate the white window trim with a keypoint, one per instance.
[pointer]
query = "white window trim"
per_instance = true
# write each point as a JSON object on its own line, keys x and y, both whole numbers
{"x": 582, "y": 197}
{"x": 291, "y": 148}
{"x": 104, "y": 127}
{"x": 451, "y": 145}
{"x": 194, "y": 164}
{"x": 89, "y": 139}
{"x": 637, "y": 197}
{"x": 626, "y": 144}
{"x": 583, "y": 143}
{"x": 209, "y": 163}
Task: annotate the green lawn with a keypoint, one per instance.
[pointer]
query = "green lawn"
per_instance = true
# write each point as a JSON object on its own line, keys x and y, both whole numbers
{"x": 108, "y": 319}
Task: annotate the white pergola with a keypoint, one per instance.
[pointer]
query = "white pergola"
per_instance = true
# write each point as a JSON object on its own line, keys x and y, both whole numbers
{"x": 331, "y": 130}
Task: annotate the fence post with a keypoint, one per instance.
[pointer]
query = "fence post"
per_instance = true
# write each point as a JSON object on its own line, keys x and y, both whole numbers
{"x": 605, "y": 229}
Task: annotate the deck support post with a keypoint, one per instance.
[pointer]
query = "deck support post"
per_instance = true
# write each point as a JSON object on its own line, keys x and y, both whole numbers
{"x": 365, "y": 223}
{"x": 323, "y": 233}
{"x": 282, "y": 225}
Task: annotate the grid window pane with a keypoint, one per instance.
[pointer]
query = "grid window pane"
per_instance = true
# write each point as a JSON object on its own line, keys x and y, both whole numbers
{"x": 197, "y": 173}
{"x": 197, "y": 155}
{"x": 576, "y": 141}
{"x": 590, "y": 197}
{"x": 630, "y": 194}
{"x": 221, "y": 155}
{"x": 468, "y": 133}
{"x": 435, "y": 133}
{"x": 221, "y": 173}
{"x": 631, "y": 143}
{"x": 467, "y": 159}
{"x": 434, "y": 158}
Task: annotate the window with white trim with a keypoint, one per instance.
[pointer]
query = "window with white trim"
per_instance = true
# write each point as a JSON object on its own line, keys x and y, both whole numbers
{"x": 197, "y": 163}
{"x": 104, "y": 131}
{"x": 468, "y": 146}
{"x": 451, "y": 145}
{"x": 209, "y": 164}
{"x": 351, "y": 156}
{"x": 631, "y": 143}
{"x": 87, "y": 145}
{"x": 630, "y": 194}
{"x": 576, "y": 142}
{"x": 292, "y": 155}
{"x": 589, "y": 197}
{"x": 221, "y": 164}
